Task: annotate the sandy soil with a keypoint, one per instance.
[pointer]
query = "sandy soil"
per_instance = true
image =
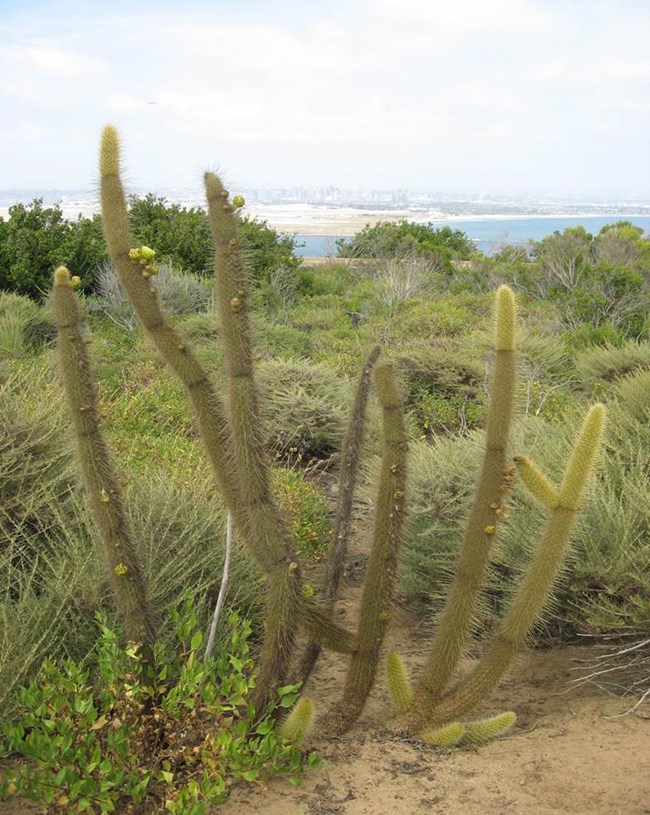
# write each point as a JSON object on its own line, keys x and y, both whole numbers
{"x": 571, "y": 751}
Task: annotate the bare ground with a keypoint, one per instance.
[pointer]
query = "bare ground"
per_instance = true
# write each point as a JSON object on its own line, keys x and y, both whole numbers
{"x": 571, "y": 751}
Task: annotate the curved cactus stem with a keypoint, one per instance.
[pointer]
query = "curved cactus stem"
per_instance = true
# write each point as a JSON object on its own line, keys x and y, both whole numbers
{"x": 483, "y": 730}
{"x": 447, "y": 736}
{"x": 270, "y": 535}
{"x": 126, "y": 572}
{"x": 351, "y": 455}
{"x": 399, "y": 683}
{"x": 533, "y": 592}
{"x": 299, "y": 722}
{"x": 323, "y": 630}
{"x": 206, "y": 405}
{"x": 379, "y": 584}
{"x": 494, "y": 482}
{"x": 538, "y": 484}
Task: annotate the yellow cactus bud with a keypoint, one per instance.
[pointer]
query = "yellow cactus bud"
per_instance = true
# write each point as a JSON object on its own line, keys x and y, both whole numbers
{"x": 238, "y": 201}
{"x": 121, "y": 569}
{"x": 147, "y": 253}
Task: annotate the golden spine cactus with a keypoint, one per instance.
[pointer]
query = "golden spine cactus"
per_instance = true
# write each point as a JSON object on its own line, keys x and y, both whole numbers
{"x": 206, "y": 405}
{"x": 381, "y": 570}
{"x": 535, "y": 480}
{"x": 349, "y": 469}
{"x": 298, "y": 724}
{"x": 494, "y": 485}
{"x": 399, "y": 683}
{"x": 483, "y": 730}
{"x": 447, "y": 736}
{"x": 533, "y": 592}
{"x": 102, "y": 487}
{"x": 269, "y": 531}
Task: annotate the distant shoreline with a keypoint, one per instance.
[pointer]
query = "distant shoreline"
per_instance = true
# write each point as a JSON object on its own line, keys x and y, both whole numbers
{"x": 345, "y": 221}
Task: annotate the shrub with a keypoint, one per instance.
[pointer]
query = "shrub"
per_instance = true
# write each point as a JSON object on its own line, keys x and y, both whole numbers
{"x": 34, "y": 239}
{"x": 96, "y": 744}
{"x": 445, "y": 390}
{"x": 608, "y": 363}
{"x": 24, "y": 325}
{"x": 178, "y": 292}
{"x": 307, "y": 509}
{"x": 388, "y": 239}
{"x": 304, "y": 406}
{"x": 633, "y": 391}
{"x": 37, "y": 474}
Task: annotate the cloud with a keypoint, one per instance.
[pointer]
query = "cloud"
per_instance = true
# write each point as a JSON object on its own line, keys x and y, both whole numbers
{"x": 375, "y": 92}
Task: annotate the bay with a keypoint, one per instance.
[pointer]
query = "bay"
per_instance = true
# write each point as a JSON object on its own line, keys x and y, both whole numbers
{"x": 489, "y": 234}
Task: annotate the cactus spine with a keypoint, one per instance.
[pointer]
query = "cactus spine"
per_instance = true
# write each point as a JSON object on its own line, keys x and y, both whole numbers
{"x": 101, "y": 484}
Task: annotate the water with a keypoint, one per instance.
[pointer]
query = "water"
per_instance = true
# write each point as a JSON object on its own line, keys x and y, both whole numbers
{"x": 489, "y": 235}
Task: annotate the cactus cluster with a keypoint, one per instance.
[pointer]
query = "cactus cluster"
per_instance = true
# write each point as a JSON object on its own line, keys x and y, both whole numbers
{"x": 231, "y": 432}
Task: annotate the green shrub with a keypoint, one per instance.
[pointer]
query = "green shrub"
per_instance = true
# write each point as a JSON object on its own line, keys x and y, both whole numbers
{"x": 389, "y": 239}
{"x": 304, "y": 407}
{"x": 35, "y": 239}
{"x": 24, "y": 325}
{"x": 633, "y": 392}
{"x": 37, "y": 475}
{"x": 445, "y": 389}
{"x": 608, "y": 363}
{"x": 178, "y": 293}
{"x": 96, "y": 744}
{"x": 307, "y": 509}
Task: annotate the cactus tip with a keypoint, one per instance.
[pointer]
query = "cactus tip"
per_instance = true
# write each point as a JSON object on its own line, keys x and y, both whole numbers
{"x": 506, "y": 319}
{"x": 109, "y": 153}
{"x": 62, "y": 276}
{"x": 295, "y": 728}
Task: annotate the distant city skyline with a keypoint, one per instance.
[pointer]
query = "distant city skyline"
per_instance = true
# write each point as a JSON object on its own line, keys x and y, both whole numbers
{"x": 513, "y": 97}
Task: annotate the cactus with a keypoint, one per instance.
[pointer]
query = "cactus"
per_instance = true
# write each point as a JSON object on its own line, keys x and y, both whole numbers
{"x": 347, "y": 484}
{"x": 379, "y": 584}
{"x": 232, "y": 436}
{"x": 399, "y": 683}
{"x": 486, "y": 729}
{"x": 448, "y": 736}
{"x": 102, "y": 487}
{"x": 298, "y": 724}
{"x": 479, "y": 536}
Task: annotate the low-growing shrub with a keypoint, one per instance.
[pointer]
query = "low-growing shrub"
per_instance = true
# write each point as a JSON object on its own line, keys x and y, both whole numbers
{"x": 307, "y": 509}
{"x": 304, "y": 406}
{"x": 99, "y": 744}
{"x": 24, "y": 325}
{"x": 608, "y": 363}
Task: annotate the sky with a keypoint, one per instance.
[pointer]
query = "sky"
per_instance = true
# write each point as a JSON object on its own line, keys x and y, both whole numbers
{"x": 509, "y": 97}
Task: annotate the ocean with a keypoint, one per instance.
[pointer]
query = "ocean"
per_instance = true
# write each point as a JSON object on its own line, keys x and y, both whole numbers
{"x": 489, "y": 235}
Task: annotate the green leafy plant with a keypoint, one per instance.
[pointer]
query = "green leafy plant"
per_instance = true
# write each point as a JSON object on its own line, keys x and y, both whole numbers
{"x": 97, "y": 744}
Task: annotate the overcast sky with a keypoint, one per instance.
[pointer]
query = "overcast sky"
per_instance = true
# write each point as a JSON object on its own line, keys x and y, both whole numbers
{"x": 504, "y": 96}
